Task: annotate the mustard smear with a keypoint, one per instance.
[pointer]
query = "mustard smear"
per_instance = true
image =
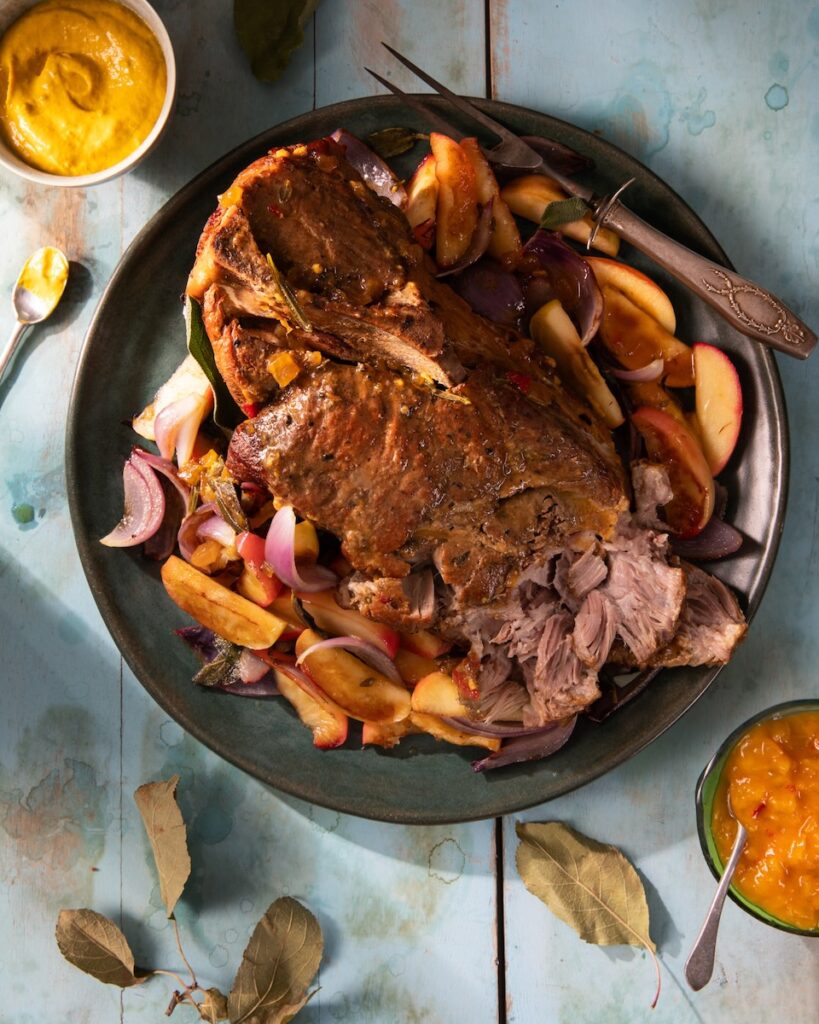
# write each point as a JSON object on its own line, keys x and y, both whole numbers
{"x": 45, "y": 275}
{"x": 82, "y": 83}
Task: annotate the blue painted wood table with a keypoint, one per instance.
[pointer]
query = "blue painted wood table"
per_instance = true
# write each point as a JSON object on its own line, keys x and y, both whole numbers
{"x": 422, "y": 924}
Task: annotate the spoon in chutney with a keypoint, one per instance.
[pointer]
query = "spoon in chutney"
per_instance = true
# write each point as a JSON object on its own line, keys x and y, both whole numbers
{"x": 700, "y": 963}
{"x": 36, "y": 295}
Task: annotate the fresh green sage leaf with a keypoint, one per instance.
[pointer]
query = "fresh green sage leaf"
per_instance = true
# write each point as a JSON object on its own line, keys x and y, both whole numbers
{"x": 168, "y": 837}
{"x": 279, "y": 963}
{"x": 93, "y": 943}
{"x": 213, "y": 1007}
{"x": 270, "y": 31}
{"x": 390, "y": 142}
{"x": 563, "y": 211}
{"x": 226, "y": 413}
{"x": 289, "y": 296}
{"x": 589, "y": 885}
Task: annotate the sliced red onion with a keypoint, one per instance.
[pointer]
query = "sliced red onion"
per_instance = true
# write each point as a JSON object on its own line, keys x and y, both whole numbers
{"x": 363, "y": 649}
{"x": 167, "y": 469}
{"x": 143, "y": 506}
{"x": 251, "y": 669}
{"x": 264, "y": 687}
{"x": 478, "y": 244}
{"x": 161, "y": 545}
{"x": 498, "y": 730}
{"x": 216, "y": 529}
{"x": 280, "y": 554}
{"x": 645, "y": 375}
{"x": 188, "y": 532}
{"x": 716, "y": 540}
{"x": 376, "y": 172}
{"x": 492, "y": 292}
{"x": 571, "y": 279}
{"x": 528, "y": 748}
{"x": 176, "y": 427}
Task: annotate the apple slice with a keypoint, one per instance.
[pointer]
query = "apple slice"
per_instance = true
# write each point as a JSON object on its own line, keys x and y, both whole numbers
{"x": 422, "y": 201}
{"x": 357, "y": 688}
{"x": 257, "y": 582}
{"x": 642, "y": 291}
{"x": 328, "y": 615}
{"x": 636, "y": 339}
{"x": 672, "y": 444}
{"x": 444, "y": 731}
{"x": 327, "y": 722}
{"x": 437, "y": 694}
{"x": 654, "y": 394}
{"x": 529, "y": 195}
{"x": 390, "y": 735}
{"x": 215, "y": 607}
{"x": 718, "y": 402}
{"x": 412, "y": 667}
{"x": 504, "y": 243}
{"x": 457, "y": 210}
{"x": 187, "y": 379}
{"x": 425, "y": 644}
{"x": 552, "y": 328}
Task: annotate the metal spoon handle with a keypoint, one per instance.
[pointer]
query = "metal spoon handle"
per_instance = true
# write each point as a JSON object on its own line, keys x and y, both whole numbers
{"x": 700, "y": 963}
{"x": 746, "y": 306}
{"x": 11, "y": 345}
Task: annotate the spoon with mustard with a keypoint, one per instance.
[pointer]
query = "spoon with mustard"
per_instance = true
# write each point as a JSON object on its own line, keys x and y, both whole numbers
{"x": 700, "y": 963}
{"x": 36, "y": 294}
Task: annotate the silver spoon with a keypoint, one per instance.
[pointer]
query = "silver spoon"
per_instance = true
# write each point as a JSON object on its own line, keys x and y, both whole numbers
{"x": 36, "y": 295}
{"x": 700, "y": 963}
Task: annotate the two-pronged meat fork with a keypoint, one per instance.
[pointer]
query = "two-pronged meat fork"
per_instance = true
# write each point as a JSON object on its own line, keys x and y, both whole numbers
{"x": 749, "y": 308}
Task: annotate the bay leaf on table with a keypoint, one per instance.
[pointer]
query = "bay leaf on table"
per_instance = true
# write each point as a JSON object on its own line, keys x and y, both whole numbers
{"x": 270, "y": 31}
{"x": 168, "y": 837}
{"x": 213, "y": 1007}
{"x": 281, "y": 958}
{"x": 93, "y": 943}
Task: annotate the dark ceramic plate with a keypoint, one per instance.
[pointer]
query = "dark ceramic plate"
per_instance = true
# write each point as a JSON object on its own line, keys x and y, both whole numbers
{"x": 134, "y": 342}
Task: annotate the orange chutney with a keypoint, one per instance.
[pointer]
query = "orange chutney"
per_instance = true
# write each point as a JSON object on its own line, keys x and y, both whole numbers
{"x": 773, "y": 777}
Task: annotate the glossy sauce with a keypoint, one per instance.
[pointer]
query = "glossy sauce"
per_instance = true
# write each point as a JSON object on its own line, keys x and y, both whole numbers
{"x": 82, "y": 83}
{"x": 45, "y": 275}
{"x": 773, "y": 775}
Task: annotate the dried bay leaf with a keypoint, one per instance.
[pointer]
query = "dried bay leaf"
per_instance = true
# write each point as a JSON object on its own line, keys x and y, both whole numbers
{"x": 93, "y": 943}
{"x": 213, "y": 1007}
{"x": 168, "y": 837}
{"x": 590, "y": 886}
{"x": 282, "y": 956}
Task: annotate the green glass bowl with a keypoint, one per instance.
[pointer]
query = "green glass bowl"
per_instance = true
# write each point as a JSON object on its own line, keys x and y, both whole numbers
{"x": 706, "y": 792}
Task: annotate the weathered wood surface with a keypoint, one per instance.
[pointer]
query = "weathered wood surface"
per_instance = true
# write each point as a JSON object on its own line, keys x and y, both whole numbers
{"x": 719, "y": 99}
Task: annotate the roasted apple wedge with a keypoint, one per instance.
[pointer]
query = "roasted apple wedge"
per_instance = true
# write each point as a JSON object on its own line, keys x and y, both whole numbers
{"x": 504, "y": 243}
{"x": 422, "y": 202}
{"x": 327, "y": 722}
{"x": 374, "y": 734}
{"x": 528, "y": 197}
{"x": 437, "y": 694}
{"x": 457, "y": 209}
{"x": 229, "y": 614}
{"x": 718, "y": 402}
{"x": 654, "y": 394}
{"x": 412, "y": 667}
{"x": 444, "y": 731}
{"x": 672, "y": 444}
{"x": 642, "y": 291}
{"x": 357, "y": 688}
{"x": 425, "y": 644}
{"x": 636, "y": 339}
{"x": 257, "y": 583}
{"x": 328, "y": 615}
{"x": 552, "y": 328}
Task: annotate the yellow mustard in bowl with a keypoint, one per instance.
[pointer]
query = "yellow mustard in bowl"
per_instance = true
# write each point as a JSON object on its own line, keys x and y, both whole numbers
{"x": 82, "y": 83}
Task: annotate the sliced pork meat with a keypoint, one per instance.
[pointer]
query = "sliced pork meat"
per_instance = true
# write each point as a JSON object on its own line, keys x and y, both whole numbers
{"x": 559, "y": 682}
{"x": 595, "y": 627}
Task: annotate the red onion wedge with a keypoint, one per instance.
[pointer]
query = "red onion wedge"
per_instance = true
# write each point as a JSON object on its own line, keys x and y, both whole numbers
{"x": 498, "y": 730}
{"x": 143, "y": 508}
{"x": 167, "y": 469}
{"x": 363, "y": 649}
{"x": 280, "y": 555}
{"x": 528, "y": 748}
{"x": 716, "y": 540}
{"x": 492, "y": 292}
{"x": 571, "y": 279}
{"x": 478, "y": 244}
{"x": 176, "y": 426}
{"x": 188, "y": 532}
{"x": 162, "y": 544}
{"x": 217, "y": 529}
{"x": 251, "y": 669}
{"x": 375, "y": 171}
{"x": 645, "y": 375}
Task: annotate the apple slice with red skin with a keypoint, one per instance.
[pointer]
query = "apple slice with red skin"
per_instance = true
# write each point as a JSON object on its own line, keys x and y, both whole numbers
{"x": 654, "y": 394}
{"x": 642, "y": 291}
{"x": 327, "y": 722}
{"x": 257, "y": 583}
{"x": 672, "y": 444}
{"x": 422, "y": 201}
{"x": 718, "y": 402}
{"x": 636, "y": 339}
{"x": 425, "y": 644}
{"x": 504, "y": 243}
{"x": 441, "y": 730}
{"x": 328, "y": 615}
{"x": 437, "y": 694}
{"x": 456, "y": 213}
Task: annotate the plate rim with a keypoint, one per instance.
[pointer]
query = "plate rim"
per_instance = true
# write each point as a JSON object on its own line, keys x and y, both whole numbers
{"x": 109, "y": 612}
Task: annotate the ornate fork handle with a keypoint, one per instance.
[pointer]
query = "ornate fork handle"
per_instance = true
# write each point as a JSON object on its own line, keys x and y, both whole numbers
{"x": 749, "y": 308}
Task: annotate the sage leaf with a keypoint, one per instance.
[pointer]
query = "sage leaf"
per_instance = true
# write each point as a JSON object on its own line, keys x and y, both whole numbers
{"x": 168, "y": 837}
{"x": 213, "y": 1007}
{"x": 270, "y": 31}
{"x": 563, "y": 211}
{"x": 589, "y": 885}
{"x": 279, "y": 963}
{"x": 93, "y": 943}
{"x": 390, "y": 142}
{"x": 226, "y": 413}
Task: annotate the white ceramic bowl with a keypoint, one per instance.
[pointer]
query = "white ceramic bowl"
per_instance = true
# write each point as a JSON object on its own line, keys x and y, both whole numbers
{"x": 10, "y": 12}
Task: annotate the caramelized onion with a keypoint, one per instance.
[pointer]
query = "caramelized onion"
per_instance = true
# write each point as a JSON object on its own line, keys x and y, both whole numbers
{"x": 143, "y": 506}
{"x": 280, "y": 554}
{"x": 570, "y": 278}
{"x": 376, "y": 172}
{"x": 478, "y": 244}
{"x": 645, "y": 375}
{"x": 528, "y": 748}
